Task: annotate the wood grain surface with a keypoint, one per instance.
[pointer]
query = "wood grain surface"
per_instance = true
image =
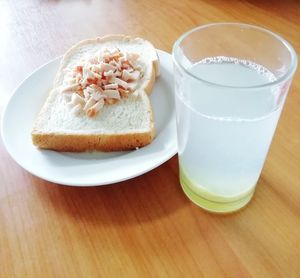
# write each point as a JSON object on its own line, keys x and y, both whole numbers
{"x": 144, "y": 227}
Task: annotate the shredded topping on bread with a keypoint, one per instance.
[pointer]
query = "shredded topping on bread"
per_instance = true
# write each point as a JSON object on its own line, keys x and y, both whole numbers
{"x": 101, "y": 80}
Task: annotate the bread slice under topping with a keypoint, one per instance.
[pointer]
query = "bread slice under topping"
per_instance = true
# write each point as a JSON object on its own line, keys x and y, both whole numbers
{"x": 122, "y": 122}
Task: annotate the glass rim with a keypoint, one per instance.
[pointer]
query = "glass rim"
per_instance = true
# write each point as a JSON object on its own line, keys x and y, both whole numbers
{"x": 289, "y": 73}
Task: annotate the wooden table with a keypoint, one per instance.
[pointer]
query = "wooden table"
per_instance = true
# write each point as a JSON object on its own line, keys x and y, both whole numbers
{"x": 144, "y": 227}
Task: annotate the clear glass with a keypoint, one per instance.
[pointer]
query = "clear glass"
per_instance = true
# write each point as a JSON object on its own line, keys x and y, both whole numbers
{"x": 231, "y": 81}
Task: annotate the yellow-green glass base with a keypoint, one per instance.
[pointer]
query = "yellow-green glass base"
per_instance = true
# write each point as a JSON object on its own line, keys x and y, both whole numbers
{"x": 212, "y": 202}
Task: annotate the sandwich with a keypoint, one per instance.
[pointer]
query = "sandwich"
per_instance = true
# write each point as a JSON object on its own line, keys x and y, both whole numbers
{"x": 100, "y": 97}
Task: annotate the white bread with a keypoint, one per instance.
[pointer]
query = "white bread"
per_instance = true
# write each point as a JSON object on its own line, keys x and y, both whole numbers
{"x": 125, "y": 125}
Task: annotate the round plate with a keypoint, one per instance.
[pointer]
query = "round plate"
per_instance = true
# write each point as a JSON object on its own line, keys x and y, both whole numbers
{"x": 90, "y": 168}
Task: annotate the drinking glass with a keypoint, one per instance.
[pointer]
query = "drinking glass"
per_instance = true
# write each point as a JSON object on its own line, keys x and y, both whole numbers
{"x": 231, "y": 82}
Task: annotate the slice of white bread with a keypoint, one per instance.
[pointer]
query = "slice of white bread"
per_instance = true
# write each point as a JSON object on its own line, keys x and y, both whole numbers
{"x": 125, "y": 125}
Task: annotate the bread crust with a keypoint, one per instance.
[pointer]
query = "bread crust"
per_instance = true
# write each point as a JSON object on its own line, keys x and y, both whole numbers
{"x": 97, "y": 142}
{"x": 82, "y": 143}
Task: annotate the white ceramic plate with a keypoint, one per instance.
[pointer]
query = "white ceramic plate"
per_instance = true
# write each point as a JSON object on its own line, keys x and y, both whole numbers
{"x": 86, "y": 169}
